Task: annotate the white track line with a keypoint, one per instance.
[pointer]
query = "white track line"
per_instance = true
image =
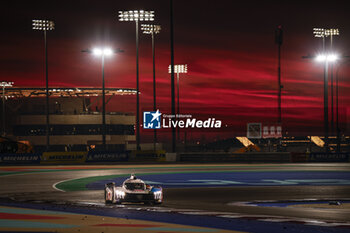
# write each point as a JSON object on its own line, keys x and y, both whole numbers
{"x": 54, "y": 185}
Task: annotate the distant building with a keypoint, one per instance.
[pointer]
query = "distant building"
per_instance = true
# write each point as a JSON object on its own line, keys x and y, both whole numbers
{"x": 74, "y": 125}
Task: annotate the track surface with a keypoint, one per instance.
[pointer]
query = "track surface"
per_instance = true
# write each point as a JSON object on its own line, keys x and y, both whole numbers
{"x": 290, "y": 182}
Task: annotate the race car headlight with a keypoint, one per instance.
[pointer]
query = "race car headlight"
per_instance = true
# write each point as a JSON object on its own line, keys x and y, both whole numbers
{"x": 120, "y": 194}
{"x": 157, "y": 195}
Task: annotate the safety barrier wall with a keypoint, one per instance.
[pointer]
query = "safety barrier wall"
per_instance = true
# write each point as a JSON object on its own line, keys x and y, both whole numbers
{"x": 71, "y": 157}
{"x": 25, "y": 158}
{"x": 269, "y": 157}
{"x": 149, "y": 155}
{"x": 329, "y": 157}
{"x": 235, "y": 157}
{"x": 160, "y": 156}
{"x": 63, "y": 157}
{"x": 107, "y": 156}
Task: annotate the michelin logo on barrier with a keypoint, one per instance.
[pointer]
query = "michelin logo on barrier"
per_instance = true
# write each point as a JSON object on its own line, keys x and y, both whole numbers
{"x": 151, "y": 120}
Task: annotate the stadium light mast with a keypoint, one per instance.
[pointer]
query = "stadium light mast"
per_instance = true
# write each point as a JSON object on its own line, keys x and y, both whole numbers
{"x": 103, "y": 52}
{"x": 326, "y": 59}
{"x": 332, "y": 32}
{"x": 152, "y": 29}
{"x": 45, "y": 25}
{"x": 137, "y": 15}
{"x": 4, "y": 84}
{"x": 178, "y": 69}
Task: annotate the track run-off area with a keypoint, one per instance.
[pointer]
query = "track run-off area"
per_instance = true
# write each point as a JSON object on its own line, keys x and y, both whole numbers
{"x": 197, "y": 198}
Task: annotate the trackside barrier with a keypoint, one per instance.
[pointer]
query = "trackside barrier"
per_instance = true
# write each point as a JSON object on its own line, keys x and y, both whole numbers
{"x": 329, "y": 157}
{"x": 299, "y": 157}
{"x": 100, "y": 156}
{"x": 24, "y": 158}
{"x": 149, "y": 155}
{"x": 63, "y": 157}
{"x": 235, "y": 157}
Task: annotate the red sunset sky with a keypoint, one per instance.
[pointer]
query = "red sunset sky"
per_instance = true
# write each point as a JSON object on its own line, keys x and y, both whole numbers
{"x": 228, "y": 46}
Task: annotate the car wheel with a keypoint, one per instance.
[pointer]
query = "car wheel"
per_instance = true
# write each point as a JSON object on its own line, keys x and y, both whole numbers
{"x": 107, "y": 201}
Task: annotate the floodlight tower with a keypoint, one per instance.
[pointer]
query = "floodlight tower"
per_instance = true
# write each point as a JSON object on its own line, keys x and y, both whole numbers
{"x": 137, "y": 15}
{"x": 45, "y": 25}
{"x": 4, "y": 84}
{"x": 332, "y": 32}
{"x": 152, "y": 29}
{"x": 178, "y": 69}
{"x": 320, "y": 33}
{"x": 103, "y": 52}
{"x": 326, "y": 59}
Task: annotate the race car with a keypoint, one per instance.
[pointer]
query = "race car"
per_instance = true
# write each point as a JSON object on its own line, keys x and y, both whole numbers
{"x": 133, "y": 190}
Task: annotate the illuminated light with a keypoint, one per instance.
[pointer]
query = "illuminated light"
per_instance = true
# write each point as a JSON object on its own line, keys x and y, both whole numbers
{"x": 107, "y": 51}
{"x": 136, "y": 15}
{"x": 43, "y": 25}
{"x": 178, "y": 69}
{"x": 321, "y": 58}
{"x": 120, "y": 194}
{"x": 97, "y": 52}
{"x": 322, "y": 32}
{"x": 157, "y": 195}
{"x": 6, "y": 84}
{"x": 332, "y": 32}
{"x": 317, "y": 140}
{"x": 245, "y": 141}
{"x": 332, "y": 57}
{"x": 318, "y": 32}
{"x": 327, "y": 57}
{"x": 150, "y": 28}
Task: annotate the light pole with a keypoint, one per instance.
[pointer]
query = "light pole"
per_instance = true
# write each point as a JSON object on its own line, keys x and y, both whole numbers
{"x": 4, "y": 84}
{"x": 104, "y": 52}
{"x": 279, "y": 41}
{"x": 137, "y": 15}
{"x": 153, "y": 29}
{"x": 45, "y": 25}
{"x": 337, "y": 110}
{"x": 178, "y": 69}
{"x": 332, "y": 32}
{"x": 320, "y": 33}
{"x": 326, "y": 59}
{"x": 337, "y": 105}
{"x": 173, "y": 130}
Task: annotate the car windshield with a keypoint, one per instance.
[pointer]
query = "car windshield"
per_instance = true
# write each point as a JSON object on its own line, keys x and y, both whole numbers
{"x": 132, "y": 186}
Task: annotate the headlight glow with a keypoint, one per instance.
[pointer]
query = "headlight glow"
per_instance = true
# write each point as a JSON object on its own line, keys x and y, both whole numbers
{"x": 157, "y": 195}
{"x": 120, "y": 194}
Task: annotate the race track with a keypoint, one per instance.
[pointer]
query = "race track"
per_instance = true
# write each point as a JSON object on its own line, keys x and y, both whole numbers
{"x": 231, "y": 191}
